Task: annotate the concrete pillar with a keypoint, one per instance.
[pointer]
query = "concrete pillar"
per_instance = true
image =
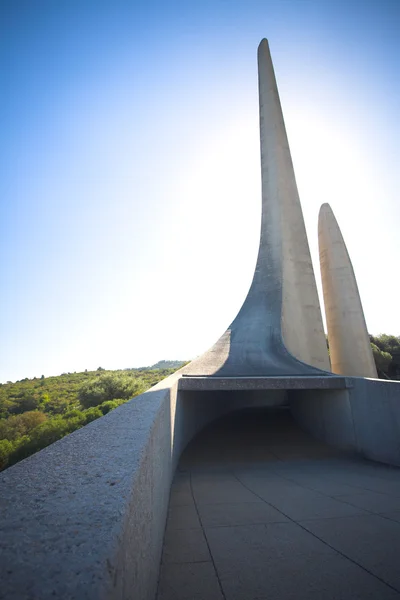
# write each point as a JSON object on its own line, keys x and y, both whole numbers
{"x": 278, "y": 330}
{"x": 301, "y": 320}
{"x": 349, "y": 344}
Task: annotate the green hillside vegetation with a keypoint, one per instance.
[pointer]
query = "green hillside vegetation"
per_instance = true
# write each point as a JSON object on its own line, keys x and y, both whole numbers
{"x": 386, "y": 350}
{"x": 37, "y": 412}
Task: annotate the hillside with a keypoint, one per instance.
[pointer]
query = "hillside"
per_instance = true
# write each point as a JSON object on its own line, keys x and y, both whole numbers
{"x": 37, "y": 412}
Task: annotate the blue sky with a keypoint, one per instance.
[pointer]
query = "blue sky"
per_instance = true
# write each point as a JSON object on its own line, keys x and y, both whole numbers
{"x": 129, "y": 177}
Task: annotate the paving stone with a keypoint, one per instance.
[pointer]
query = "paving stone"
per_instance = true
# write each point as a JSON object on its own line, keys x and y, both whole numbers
{"x": 289, "y": 452}
{"x": 181, "y": 485}
{"x": 324, "y": 485}
{"x": 370, "y": 483}
{"x": 181, "y": 497}
{"x": 221, "y": 492}
{"x": 258, "y": 553}
{"x": 372, "y": 541}
{"x": 300, "y": 503}
{"x": 393, "y": 515}
{"x": 196, "y": 581}
{"x": 250, "y": 560}
{"x": 181, "y": 478}
{"x": 297, "y": 577}
{"x": 213, "y": 476}
{"x": 372, "y": 501}
{"x": 246, "y": 542}
{"x": 185, "y": 546}
{"x": 245, "y": 513}
{"x": 183, "y": 517}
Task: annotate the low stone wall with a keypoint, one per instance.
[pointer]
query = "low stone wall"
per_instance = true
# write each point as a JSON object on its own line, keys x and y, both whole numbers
{"x": 364, "y": 418}
{"x": 85, "y": 517}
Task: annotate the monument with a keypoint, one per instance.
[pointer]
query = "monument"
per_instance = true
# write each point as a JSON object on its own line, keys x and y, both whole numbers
{"x": 85, "y": 517}
{"x": 349, "y": 343}
{"x": 278, "y": 330}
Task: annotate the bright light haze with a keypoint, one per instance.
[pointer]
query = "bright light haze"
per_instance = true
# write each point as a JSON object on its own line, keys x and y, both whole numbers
{"x": 130, "y": 169}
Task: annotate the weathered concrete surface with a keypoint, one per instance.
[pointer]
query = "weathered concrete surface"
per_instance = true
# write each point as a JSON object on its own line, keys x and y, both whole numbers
{"x": 278, "y": 330}
{"x": 262, "y": 383}
{"x": 349, "y": 344}
{"x": 365, "y": 417}
{"x": 84, "y": 518}
{"x": 260, "y": 510}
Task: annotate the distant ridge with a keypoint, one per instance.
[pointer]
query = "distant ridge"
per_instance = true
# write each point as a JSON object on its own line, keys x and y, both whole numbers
{"x": 167, "y": 364}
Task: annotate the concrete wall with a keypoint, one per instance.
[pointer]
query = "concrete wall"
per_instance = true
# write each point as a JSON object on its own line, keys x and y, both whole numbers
{"x": 85, "y": 517}
{"x": 365, "y": 418}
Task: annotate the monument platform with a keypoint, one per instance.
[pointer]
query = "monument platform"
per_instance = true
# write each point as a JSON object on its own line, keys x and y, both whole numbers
{"x": 209, "y": 384}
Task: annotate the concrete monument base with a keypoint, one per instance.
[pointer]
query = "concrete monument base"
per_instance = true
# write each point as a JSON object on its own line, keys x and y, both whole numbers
{"x": 85, "y": 517}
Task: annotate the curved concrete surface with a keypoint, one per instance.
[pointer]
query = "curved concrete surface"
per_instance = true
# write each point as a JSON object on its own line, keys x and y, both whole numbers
{"x": 278, "y": 330}
{"x": 259, "y": 510}
{"x": 349, "y": 342}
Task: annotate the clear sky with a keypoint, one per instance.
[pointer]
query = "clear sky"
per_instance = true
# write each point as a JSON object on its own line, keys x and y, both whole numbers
{"x": 130, "y": 181}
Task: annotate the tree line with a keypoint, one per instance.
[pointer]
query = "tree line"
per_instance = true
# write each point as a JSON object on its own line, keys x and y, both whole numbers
{"x": 386, "y": 351}
{"x": 37, "y": 412}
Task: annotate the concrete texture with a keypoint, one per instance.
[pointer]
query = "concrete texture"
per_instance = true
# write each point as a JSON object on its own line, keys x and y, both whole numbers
{"x": 85, "y": 517}
{"x": 364, "y": 418}
{"x": 278, "y": 330}
{"x": 261, "y": 383}
{"x": 349, "y": 343}
{"x": 294, "y": 520}
{"x": 74, "y": 514}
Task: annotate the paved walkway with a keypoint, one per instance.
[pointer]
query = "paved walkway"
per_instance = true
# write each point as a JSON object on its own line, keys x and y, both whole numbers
{"x": 261, "y": 511}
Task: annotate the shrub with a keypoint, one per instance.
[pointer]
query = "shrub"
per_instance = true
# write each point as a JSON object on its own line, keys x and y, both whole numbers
{"x": 17, "y": 426}
{"x": 91, "y": 414}
{"x": 26, "y": 402}
{"x": 382, "y": 359}
{"x": 6, "y": 449}
{"x": 108, "y": 387}
{"x": 105, "y": 407}
{"x": 49, "y": 432}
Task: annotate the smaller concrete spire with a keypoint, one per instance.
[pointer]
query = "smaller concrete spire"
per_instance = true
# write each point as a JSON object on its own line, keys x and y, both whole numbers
{"x": 349, "y": 344}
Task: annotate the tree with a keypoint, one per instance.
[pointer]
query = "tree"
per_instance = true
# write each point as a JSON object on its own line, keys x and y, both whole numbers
{"x": 6, "y": 448}
{"x": 26, "y": 401}
{"x": 382, "y": 359}
{"x": 388, "y": 344}
{"x": 108, "y": 387}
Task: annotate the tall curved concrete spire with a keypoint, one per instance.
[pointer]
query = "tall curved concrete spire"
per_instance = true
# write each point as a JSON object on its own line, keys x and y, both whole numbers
{"x": 349, "y": 343}
{"x": 278, "y": 330}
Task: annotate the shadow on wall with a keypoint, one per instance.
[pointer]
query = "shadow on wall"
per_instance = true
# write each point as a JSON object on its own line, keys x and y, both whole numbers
{"x": 363, "y": 418}
{"x": 196, "y": 409}
{"x": 251, "y": 438}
